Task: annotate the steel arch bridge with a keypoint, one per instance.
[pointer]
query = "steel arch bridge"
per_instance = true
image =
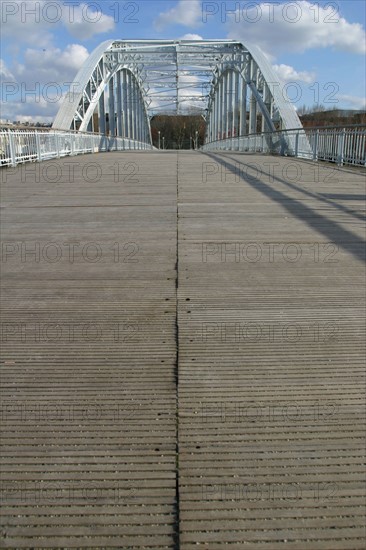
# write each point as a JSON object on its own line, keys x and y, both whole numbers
{"x": 124, "y": 83}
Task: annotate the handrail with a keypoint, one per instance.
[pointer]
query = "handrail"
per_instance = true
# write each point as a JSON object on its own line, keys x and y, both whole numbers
{"x": 339, "y": 144}
{"x": 26, "y": 145}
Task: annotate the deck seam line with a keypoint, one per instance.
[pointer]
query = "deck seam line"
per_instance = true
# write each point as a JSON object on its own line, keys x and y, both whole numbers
{"x": 176, "y": 370}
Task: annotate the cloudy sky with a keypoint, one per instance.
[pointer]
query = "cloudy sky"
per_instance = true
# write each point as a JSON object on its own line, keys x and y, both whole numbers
{"x": 319, "y": 45}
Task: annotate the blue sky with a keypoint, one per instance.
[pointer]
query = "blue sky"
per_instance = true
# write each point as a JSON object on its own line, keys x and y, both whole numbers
{"x": 318, "y": 45}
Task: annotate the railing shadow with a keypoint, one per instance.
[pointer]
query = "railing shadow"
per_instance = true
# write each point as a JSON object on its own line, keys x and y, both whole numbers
{"x": 321, "y": 197}
{"x": 337, "y": 234}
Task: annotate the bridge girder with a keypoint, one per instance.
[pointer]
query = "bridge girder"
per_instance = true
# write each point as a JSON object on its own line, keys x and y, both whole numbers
{"x": 132, "y": 80}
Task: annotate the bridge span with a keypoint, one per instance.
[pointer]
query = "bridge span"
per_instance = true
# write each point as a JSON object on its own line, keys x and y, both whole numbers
{"x": 183, "y": 353}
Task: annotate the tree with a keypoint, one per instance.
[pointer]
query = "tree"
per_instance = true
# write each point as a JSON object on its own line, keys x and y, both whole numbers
{"x": 179, "y": 131}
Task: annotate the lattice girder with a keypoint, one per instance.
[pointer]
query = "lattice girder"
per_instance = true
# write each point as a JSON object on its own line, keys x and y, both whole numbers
{"x": 231, "y": 84}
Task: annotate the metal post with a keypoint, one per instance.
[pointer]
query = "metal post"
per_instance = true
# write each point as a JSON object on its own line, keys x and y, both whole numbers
{"x": 143, "y": 122}
{"x": 72, "y": 144}
{"x": 243, "y": 106}
{"x": 217, "y": 110}
{"x": 147, "y": 131}
{"x": 102, "y": 125}
{"x": 137, "y": 112}
{"x": 223, "y": 112}
{"x": 57, "y": 146}
{"x": 140, "y": 118}
{"x": 210, "y": 134}
{"x": 267, "y": 103}
{"x": 124, "y": 104}
{"x": 112, "y": 130}
{"x": 315, "y": 149}
{"x": 128, "y": 109}
{"x": 253, "y": 101}
{"x": 229, "y": 102}
{"x": 209, "y": 127}
{"x": 119, "y": 105}
{"x": 12, "y": 148}
{"x": 133, "y": 108}
{"x": 341, "y": 142}
{"x": 38, "y": 145}
{"x": 235, "y": 129}
{"x": 221, "y": 109}
{"x": 232, "y": 102}
{"x": 226, "y": 109}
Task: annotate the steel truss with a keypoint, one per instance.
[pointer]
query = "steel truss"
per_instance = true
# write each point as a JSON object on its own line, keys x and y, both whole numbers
{"x": 125, "y": 82}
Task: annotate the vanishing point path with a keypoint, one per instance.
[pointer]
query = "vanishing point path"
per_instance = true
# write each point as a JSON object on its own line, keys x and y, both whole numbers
{"x": 183, "y": 358}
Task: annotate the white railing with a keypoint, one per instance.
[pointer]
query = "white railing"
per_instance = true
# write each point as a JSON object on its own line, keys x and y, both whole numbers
{"x": 17, "y": 146}
{"x": 331, "y": 144}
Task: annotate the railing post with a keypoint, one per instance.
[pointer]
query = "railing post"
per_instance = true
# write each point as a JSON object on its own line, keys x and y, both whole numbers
{"x": 72, "y": 144}
{"x": 12, "y": 148}
{"x": 283, "y": 144}
{"x": 297, "y": 144}
{"x": 38, "y": 143}
{"x": 57, "y": 146}
{"x": 341, "y": 142}
{"x": 315, "y": 149}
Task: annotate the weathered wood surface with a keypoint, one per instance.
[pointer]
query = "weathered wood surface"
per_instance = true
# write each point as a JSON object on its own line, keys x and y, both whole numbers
{"x": 271, "y": 354}
{"x": 235, "y": 291}
{"x": 89, "y": 410}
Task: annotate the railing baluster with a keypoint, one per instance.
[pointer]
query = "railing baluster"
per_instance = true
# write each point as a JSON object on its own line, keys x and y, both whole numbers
{"x": 13, "y": 159}
{"x": 347, "y": 146}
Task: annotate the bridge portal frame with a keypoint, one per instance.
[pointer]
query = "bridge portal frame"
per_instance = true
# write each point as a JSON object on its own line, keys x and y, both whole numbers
{"x": 136, "y": 79}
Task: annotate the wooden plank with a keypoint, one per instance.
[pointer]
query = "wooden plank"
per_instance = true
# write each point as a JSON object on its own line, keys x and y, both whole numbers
{"x": 255, "y": 282}
{"x": 271, "y": 356}
{"x": 88, "y": 380}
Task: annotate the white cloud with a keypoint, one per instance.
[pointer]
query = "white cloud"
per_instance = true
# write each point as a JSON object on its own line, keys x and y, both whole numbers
{"x": 52, "y": 64}
{"x": 312, "y": 26}
{"x": 289, "y": 74}
{"x": 5, "y": 73}
{"x": 190, "y": 36}
{"x": 186, "y": 12}
{"x": 30, "y": 111}
{"x": 41, "y": 82}
{"x": 85, "y": 21}
{"x": 353, "y": 101}
{"x": 23, "y": 21}
{"x": 33, "y": 21}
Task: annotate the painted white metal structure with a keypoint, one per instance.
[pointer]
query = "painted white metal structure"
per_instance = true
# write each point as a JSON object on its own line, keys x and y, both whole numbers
{"x": 125, "y": 82}
{"x": 339, "y": 145}
{"x": 18, "y": 146}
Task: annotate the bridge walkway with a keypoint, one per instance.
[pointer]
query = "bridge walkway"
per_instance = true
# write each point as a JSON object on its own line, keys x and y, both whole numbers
{"x": 183, "y": 353}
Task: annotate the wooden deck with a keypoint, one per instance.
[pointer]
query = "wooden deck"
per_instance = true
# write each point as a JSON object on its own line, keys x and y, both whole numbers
{"x": 183, "y": 353}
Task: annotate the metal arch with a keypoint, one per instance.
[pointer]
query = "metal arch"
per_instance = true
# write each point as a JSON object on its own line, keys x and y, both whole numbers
{"x": 227, "y": 105}
{"x": 287, "y": 111}
{"x": 96, "y": 77}
{"x": 230, "y": 78}
{"x": 180, "y": 77}
{"x": 65, "y": 116}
